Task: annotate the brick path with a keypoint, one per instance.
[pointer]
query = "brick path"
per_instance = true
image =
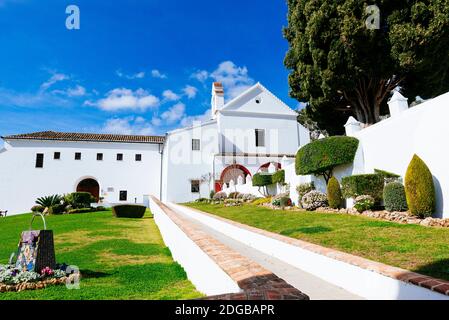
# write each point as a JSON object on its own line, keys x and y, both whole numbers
{"x": 256, "y": 282}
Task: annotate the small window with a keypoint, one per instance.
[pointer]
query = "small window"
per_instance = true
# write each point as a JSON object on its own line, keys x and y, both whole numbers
{"x": 260, "y": 138}
{"x": 78, "y": 156}
{"x": 195, "y": 144}
{"x": 99, "y": 157}
{"x": 258, "y": 100}
{"x": 123, "y": 195}
{"x": 110, "y": 189}
{"x": 195, "y": 186}
{"x": 57, "y": 155}
{"x": 138, "y": 157}
{"x": 119, "y": 156}
{"x": 39, "y": 160}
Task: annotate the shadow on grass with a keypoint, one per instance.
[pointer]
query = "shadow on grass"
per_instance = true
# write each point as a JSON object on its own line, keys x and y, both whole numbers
{"x": 437, "y": 269}
{"x": 306, "y": 230}
{"x": 90, "y": 274}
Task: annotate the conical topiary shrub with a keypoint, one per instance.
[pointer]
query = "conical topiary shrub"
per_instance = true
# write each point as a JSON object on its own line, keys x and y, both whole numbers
{"x": 419, "y": 189}
{"x": 334, "y": 193}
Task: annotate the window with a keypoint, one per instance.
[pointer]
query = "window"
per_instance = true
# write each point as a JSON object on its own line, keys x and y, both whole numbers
{"x": 39, "y": 160}
{"x": 119, "y": 156}
{"x": 195, "y": 144}
{"x": 195, "y": 186}
{"x": 57, "y": 155}
{"x": 260, "y": 138}
{"x": 99, "y": 157}
{"x": 78, "y": 156}
{"x": 123, "y": 195}
{"x": 138, "y": 157}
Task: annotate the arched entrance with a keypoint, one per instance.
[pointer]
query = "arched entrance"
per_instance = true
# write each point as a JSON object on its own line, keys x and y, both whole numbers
{"x": 91, "y": 186}
{"x": 232, "y": 172}
{"x": 264, "y": 168}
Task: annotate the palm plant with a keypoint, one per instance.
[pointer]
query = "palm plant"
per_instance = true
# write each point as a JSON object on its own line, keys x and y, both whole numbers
{"x": 49, "y": 201}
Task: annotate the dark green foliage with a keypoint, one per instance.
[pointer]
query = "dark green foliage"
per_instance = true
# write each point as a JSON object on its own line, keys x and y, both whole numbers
{"x": 212, "y": 194}
{"x": 419, "y": 188}
{"x": 49, "y": 201}
{"x": 363, "y": 184}
{"x": 322, "y": 156}
{"x": 364, "y": 203}
{"x": 129, "y": 211}
{"x": 336, "y": 61}
{"x": 37, "y": 208}
{"x": 79, "y": 200}
{"x": 388, "y": 176}
{"x": 334, "y": 196}
{"x": 234, "y": 195}
{"x": 279, "y": 177}
{"x": 394, "y": 197}
{"x": 81, "y": 210}
{"x": 262, "y": 180}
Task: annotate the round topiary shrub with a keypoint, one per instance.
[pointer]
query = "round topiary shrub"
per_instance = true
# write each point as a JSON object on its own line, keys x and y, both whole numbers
{"x": 364, "y": 203}
{"x": 394, "y": 197}
{"x": 219, "y": 196}
{"x": 129, "y": 211}
{"x": 314, "y": 200}
{"x": 419, "y": 188}
{"x": 334, "y": 193}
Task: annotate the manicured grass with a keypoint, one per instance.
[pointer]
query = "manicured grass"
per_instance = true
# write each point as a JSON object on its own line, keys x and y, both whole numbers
{"x": 118, "y": 258}
{"x": 416, "y": 248}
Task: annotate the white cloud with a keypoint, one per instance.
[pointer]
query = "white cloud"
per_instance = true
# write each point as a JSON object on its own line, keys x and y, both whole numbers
{"x": 126, "y": 99}
{"x": 77, "y": 91}
{"x": 30, "y": 100}
{"x": 170, "y": 116}
{"x": 190, "y": 91}
{"x": 128, "y": 125}
{"x": 138, "y": 75}
{"x": 188, "y": 121}
{"x": 170, "y": 95}
{"x": 56, "y": 77}
{"x": 200, "y": 75}
{"x": 157, "y": 74}
{"x": 235, "y": 79}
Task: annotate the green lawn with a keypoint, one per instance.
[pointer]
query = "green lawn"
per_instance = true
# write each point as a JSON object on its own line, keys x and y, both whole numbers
{"x": 412, "y": 247}
{"x": 118, "y": 258}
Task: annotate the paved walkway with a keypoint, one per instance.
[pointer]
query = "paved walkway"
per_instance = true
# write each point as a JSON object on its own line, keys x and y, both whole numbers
{"x": 314, "y": 287}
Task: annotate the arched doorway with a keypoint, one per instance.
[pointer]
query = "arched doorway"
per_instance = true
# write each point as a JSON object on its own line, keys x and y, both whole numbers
{"x": 264, "y": 168}
{"x": 91, "y": 186}
{"x": 231, "y": 173}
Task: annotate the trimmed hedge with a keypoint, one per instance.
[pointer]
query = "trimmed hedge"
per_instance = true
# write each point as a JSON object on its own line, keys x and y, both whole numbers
{"x": 394, "y": 197}
{"x": 325, "y": 154}
{"x": 334, "y": 196}
{"x": 363, "y": 184}
{"x": 419, "y": 188}
{"x": 262, "y": 179}
{"x": 129, "y": 211}
{"x": 79, "y": 200}
{"x": 278, "y": 177}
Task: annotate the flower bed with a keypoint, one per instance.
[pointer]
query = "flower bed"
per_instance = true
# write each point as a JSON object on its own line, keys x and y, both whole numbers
{"x": 15, "y": 280}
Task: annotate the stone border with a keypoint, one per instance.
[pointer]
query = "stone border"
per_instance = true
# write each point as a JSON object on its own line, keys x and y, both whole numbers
{"x": 406, "y": 277}
{"x": 256, "y": 282}
{"x": 35, "y": 285}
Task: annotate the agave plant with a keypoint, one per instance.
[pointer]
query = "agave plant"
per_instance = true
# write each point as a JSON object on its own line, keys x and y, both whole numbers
{"x": 49, "y": 201}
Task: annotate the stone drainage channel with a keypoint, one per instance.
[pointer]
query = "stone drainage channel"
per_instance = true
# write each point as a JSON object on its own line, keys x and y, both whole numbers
{"x": 314, "y": 287}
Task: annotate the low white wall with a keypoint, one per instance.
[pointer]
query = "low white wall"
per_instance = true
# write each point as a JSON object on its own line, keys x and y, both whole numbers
{"x": 362, "y": 282}
{"x": 202, "y": 271}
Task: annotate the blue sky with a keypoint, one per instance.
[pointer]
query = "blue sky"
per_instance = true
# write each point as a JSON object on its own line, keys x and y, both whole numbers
{"x": 134, "y": 67}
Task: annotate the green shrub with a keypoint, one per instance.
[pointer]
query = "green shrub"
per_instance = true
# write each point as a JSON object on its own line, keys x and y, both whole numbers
{"x": 314, "y": 200}
{"x": 394, "y": 197}
{"x": 363, "y": 184}
{"x": 334, "y": 193}
{"x": 279, "y": 177}
{"x": 37, "y": 208}
{"x": 79, "y": 199}
{"x": 388, "y": 176}
{"x": 262, "y": 179}
{"x": 101, "y": 208}
{"x": 277, "y": 200}
{"x": 364, "y": 203}
{"x": 49, "y": 201}
{"x": 285, "y": 202}
{"x": 129, "y": 211}
{"x": 219, "y": 196}
{"x": 202, "y": 200}
{"x": 81, "y": 210}
{"x": 419, "y": 188}
{"x": 320, "y": 157}
{"x": 212, "y": 194}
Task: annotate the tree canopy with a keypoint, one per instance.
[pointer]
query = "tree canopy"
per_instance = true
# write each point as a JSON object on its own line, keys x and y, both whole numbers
{"x": 342, "y": 68}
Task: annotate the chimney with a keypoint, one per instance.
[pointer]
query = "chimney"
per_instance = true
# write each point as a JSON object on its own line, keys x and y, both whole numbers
{"x": 352, "y": 126}
{"x": 217, "y": 98}
{"x": 397, "y": 104}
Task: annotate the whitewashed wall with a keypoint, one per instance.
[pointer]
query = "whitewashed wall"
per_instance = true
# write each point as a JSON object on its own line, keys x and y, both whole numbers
{"x": 21, "y": 183}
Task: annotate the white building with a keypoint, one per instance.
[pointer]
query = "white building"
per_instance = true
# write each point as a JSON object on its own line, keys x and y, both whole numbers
{"x": 244, "y": 136}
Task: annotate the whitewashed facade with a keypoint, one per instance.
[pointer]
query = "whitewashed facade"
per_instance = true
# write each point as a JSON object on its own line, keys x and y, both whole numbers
{"x": 244, "y": 136}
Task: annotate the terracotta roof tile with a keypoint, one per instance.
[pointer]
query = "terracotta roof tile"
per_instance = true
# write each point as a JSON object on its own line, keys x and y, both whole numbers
{"x": 93, "y": 137}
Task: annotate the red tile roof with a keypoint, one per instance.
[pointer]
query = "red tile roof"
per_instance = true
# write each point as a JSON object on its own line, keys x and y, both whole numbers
{"x": 93, "y": 137}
